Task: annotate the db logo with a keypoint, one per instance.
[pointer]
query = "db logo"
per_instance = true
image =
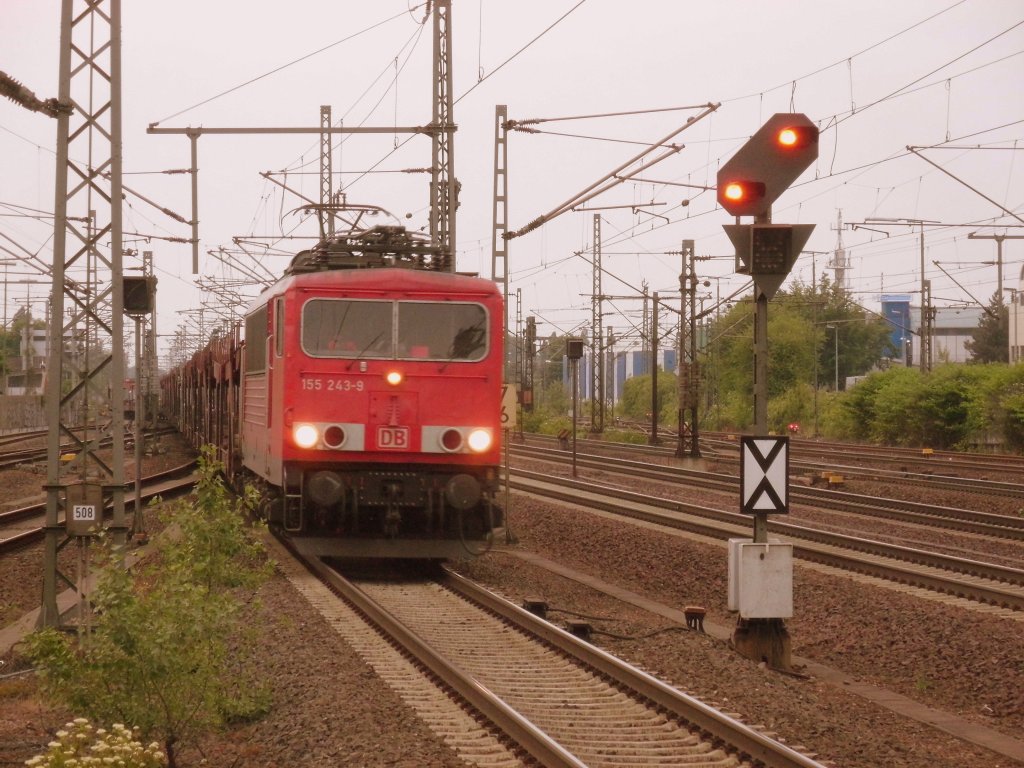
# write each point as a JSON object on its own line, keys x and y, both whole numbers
{"x": 393, "y": 438}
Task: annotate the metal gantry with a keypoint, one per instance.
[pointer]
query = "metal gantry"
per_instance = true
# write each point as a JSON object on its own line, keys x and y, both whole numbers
{"x": 88, "y": 189}
{"x": 443, "y": 186}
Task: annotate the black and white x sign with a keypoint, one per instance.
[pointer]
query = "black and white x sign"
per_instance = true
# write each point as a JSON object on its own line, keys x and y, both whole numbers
{"x": 764, "y": 474}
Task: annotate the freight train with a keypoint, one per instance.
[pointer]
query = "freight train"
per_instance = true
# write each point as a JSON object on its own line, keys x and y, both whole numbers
{"x": 363, "y": 401}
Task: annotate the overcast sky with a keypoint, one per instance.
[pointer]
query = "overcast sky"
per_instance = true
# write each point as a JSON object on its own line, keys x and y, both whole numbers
{"x": 876, "y": 77}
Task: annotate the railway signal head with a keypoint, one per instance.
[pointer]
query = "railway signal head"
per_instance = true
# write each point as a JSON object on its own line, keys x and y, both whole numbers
{"x": 767, "y": 164}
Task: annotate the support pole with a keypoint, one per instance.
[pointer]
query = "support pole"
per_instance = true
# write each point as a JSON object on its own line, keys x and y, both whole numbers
{"x": 443, "y": 186}
{"x": 138, "y": 524}
{"x": 193, "y": 137}
{"x": 694, "y": 382}
{"x": 499, "y": 210}
{"x": 654, "y": 371}
{"x": 90, "y": 77}
{"x": 926, "y": 336}
{"x": 575, "y": 406}
{"x": 760, "y": 393}
{"x": 326, "y": 176}
{"x": 688, "y": 372}
{"x": 596, "y": 337}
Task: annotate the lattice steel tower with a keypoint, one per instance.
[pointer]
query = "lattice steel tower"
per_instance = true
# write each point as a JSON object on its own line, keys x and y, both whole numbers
{"x": 597, "y": 336}
{"x": 87, "y": 243}
{"x": 444, "y": 196}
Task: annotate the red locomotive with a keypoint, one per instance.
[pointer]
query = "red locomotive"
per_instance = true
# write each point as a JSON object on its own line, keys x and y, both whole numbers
{"x": 364, "y": 402}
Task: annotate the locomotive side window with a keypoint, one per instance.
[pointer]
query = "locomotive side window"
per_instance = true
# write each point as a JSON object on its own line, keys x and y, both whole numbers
{"x": 442, "y": 331}
{"x": 256, "y": 341}
{"x": 278, "y": 326}
{"x": 348, "y": 329}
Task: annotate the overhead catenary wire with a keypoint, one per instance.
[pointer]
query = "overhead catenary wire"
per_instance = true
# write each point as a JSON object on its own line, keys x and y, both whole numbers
{"x": 922, "y": 77}
{"x": 282, "y": 67}
{"x": 846, "y": 59}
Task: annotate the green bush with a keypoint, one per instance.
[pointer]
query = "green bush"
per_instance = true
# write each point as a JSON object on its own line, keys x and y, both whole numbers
{"x": 952, "y": 407}
{"x": 632, "y": 436}
{"x": 169, "y": 646}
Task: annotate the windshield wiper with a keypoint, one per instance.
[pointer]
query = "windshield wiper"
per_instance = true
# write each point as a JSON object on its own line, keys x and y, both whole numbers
{"x": 466, "y": 342}
{"x": 363, "y": 351}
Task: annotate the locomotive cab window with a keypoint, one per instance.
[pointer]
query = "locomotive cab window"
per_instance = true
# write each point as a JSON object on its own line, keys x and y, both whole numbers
{"x": 348, "y": 328}
{"x": 405, "y": 330}
{"x": 445, "y": 331}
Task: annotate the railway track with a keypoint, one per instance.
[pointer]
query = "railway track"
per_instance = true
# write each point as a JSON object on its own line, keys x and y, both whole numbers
{"x": 929, "y": 473}
{"x": 722, "y": 444}
{"x": 949, "y": 518}
{"x": 974, "y": 580}
{"x": 23, "y": 526}
{"x": 927, "y": 459}
{"x": 559, "y": 700}
{"x": 10, "y": 458}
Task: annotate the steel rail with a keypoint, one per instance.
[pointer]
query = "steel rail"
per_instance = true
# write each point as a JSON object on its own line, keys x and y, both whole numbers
{"x": 712, "y": 724}
{"x": 154, "y": 485}
{"x": 729, "y": 524}
{"x": 928, "y": 479}
{"x": 533, "y": 740}
{"x": 10, "y": 459}
{"x": 972, "y": 521}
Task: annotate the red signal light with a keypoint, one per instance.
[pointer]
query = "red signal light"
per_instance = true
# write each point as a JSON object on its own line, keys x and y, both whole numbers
{"x": 743, "y": 191}
{"x": 797, "y": 137}
{"x": 737, "y": 196}
{"x": 773, "y": 158}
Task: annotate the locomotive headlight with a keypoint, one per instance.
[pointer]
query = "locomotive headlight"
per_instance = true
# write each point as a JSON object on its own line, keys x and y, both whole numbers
{"x": 394, "y": 378}
{"x": 305, "y": 435}
{"x": 479, "y": 440}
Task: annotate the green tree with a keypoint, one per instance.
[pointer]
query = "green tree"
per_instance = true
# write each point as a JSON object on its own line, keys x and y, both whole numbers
{"x": 636, "y": 399}
{"x": 884, "y": 408}
{"x": 990, "y": 341}
{"x": 8, "y": 351}
{"x": 168, "y": 653}
{"x": 799, "y": 343}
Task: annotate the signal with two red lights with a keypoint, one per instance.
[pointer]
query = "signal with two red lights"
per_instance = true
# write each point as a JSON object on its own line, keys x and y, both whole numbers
{"x": 767, "y": 164}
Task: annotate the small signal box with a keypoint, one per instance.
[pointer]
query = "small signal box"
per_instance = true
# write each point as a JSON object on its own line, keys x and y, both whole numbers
{"x": 574, "y": 348}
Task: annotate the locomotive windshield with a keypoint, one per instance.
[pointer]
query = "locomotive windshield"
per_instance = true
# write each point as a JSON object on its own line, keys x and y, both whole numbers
{"x": 403, "y": 330}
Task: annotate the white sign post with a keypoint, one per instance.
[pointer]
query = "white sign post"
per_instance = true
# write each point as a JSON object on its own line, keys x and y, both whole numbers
{"x": 509, "y": 421}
